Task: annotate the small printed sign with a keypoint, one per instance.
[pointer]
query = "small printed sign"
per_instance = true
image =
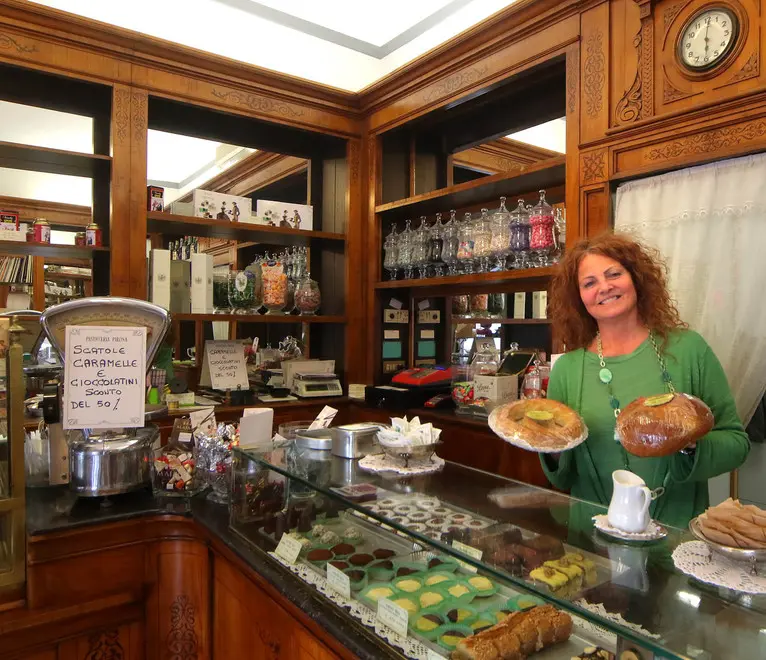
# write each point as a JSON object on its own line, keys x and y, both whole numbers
{"x": 338, "y": 581}
{"x": 324, "y": 418}
{"x": 289, "y": 548}
{"x": 393, "y": 616}
{"x": 467, "y": 550}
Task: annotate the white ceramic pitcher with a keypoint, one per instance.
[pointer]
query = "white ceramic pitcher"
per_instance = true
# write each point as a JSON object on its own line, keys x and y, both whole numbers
{"x": 629, "y": 508}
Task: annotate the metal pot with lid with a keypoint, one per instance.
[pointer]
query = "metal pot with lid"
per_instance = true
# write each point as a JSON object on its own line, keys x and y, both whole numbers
{"x": 355, "y": 440}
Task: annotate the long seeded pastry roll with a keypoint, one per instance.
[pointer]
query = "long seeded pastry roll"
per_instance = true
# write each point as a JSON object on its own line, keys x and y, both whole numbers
{"x": 476, "y": 648}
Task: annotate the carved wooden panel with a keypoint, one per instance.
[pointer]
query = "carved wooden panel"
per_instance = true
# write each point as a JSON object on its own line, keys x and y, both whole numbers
{"x": 124, "y": 642}
{"x": 594, "y": 73}
{"x": 595, "y": 208}
{"x": 593, "y": 166}
{"x": 678, "y": 89}
{"x": 177, "y": 609}
{"x": 503, "y": 155}
{"x": 694, "y": 145}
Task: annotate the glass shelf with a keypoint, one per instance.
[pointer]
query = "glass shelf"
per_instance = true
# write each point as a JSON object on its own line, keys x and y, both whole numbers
{"x": 668, "y": 613}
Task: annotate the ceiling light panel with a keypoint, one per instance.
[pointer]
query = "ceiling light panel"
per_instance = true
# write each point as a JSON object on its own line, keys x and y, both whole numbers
{"x": 376, "y": 25}
{"x": 551, "y": 135}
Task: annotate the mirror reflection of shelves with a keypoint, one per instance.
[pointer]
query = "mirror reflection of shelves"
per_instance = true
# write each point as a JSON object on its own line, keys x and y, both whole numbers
{"x": 248, "y": 160}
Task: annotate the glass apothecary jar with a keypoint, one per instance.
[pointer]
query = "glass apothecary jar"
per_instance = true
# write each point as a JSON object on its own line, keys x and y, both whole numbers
{"x": 436, "y": 247}
{"x": 307, "y": 296}
{"x": 465, "y": 255}
{"x": 450, "y": 244}
{"x": 404, "y": 251}
{"x": 242, "y": 292}
{"x": 255, "y": 269}
{"x": 462, "y": 383}
{"x": 500, "y": 242}
{"x": 496, "y": 305}
{"x": 221, "y": 293}
{"x": 542, "y": 239}
{"x": 274, "y": 287}
{"x": 420, "y": 248}
{"x": 479, "y": 304}
{"x": 390, "y": 256}
{"x": 482, "y": 241}
{"x": 520, "y": 235}
{"x": 460, "y": 305}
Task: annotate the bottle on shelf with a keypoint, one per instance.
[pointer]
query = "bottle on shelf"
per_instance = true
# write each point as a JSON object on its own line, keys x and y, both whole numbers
{"x": 436, "y": 246}
{"x": 450, "y": 244}
{"x": 421, "y": 248}
{"x": 541, "y": 239}
{"x": 482, "y": 241}
{"x": 465, "y": 254}
{"x": 404, "y": 251}
{"x": 500, "y": 242}
{"x": 520, "y": 235}
{"x": 390, "y": 256}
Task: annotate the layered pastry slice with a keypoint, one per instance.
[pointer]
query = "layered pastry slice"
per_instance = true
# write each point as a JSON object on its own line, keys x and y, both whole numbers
{"x": 570, "y": 569}
{"x": 554, "y": 579}
{"x": 589, "y": 568}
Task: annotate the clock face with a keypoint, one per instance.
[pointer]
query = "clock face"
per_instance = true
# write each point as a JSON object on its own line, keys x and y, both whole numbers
{"x": 707, "y": 38}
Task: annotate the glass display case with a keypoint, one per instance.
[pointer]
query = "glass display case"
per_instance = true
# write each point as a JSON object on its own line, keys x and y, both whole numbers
{"x": 460, "y": 550}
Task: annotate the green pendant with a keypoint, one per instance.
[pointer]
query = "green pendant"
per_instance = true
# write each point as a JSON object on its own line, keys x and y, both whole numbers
{"x": 605, "y": 376}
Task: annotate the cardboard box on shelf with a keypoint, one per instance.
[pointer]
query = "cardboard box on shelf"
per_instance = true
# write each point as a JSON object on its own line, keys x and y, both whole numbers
{"x": 540, "y": 305}
{"x": 218, "y": 206}
{"x": 202, "y": 283}
{"x": 284, "y": 214}
{"x": 180, "y": 286}
{"x": 160, "y": 278}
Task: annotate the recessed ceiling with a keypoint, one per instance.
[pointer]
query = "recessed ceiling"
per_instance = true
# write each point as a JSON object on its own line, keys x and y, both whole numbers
{"x": 348, "y": 44}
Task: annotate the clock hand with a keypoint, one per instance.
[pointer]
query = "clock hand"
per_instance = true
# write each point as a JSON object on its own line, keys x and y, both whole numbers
{"x": 707, "y": 46}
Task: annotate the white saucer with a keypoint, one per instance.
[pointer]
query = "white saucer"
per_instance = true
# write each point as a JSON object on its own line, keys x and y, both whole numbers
{"x": 654, "y": 532}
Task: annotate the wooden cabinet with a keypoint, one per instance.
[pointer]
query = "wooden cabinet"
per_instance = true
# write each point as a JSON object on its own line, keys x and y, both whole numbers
{"x": 250, "y": 625}
{"x": 119, "y": 643}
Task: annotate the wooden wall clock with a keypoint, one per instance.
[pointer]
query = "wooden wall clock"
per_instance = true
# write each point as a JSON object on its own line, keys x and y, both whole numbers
{"x": 710, "y": 39}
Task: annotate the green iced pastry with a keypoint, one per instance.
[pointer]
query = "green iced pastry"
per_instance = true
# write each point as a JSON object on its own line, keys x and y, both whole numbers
{"x": 482, "y": 584}
{"x": 408, "y": 584}
{"x": 428, "y": 598}
{"x": 460, "y": 614}
{"x": 375, "y": 593}
{"x": 429, "y": 622}
{"x": 407, "y": 603}
{"x": 524, "y": 602}
{"x": 438, "y": 577}
{"x": 460, "y": 590}
{"x": 450, "y": 635}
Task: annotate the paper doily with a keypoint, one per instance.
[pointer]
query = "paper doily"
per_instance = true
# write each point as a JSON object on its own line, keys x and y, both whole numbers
{"x": 382, "y": 463}
{"x": 412, "y": 648}
{"x": 599, "y": 610}
{"x": 654, "y": 532}
{"x": 695, "y": 558}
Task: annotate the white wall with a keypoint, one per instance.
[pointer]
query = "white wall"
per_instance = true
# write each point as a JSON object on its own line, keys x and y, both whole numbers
{"x": 46, "y": 187}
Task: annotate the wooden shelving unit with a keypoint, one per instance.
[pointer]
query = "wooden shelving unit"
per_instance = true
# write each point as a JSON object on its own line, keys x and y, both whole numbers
{"x": 547, "y": 174}
{"x": 57, "y": 275}
{"x": 259, "y": 318}
{"x": 53, "y": 161}
{"x": 475, "y": 279}
{"x": 49, "y": 250}
{"x": 185, "y": 225}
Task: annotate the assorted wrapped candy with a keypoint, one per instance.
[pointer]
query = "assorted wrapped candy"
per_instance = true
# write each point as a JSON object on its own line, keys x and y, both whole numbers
{"x": 214, "y": 457}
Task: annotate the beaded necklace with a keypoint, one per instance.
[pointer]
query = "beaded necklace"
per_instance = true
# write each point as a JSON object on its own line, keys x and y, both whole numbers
{"x": 605, "y": 376}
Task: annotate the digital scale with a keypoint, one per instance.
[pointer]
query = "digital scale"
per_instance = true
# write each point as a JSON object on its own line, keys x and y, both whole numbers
{"x": 307, "y": 385}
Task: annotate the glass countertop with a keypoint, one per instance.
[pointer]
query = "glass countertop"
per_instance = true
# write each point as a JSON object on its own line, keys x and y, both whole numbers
{"x": 668, "y": 612}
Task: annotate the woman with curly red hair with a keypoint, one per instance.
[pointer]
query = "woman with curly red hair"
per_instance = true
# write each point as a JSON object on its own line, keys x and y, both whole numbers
{"x": 611, "y": 306}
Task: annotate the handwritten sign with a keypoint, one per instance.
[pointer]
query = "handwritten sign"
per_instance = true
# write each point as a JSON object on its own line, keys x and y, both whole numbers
{"x": 224, "y": 366}
{"x": 339, "y": 581}
{"x": 104, "y": 377}
{"x": 393, "y": 616}
{"x": 467, "y": 550}
{"x": 289, "y": 548}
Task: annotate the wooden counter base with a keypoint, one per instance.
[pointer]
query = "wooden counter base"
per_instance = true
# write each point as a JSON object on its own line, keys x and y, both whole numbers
{"x": 151, "y": 588}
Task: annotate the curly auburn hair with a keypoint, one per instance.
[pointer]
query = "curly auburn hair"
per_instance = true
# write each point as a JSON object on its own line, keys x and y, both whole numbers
{"x": 656, "y": 309}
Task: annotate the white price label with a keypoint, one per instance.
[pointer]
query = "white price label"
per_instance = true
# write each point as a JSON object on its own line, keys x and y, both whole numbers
{"x": 339, "y": 581}
{"x": 324, "y": 418}
{"x": 396, "y": 304}
{"x": 393, "y": 616}
{"x": 467, "y": 550}
{"x": 424, "y": 304}
{"x": 356, "y": 391}
{"x": 289, "y": 548}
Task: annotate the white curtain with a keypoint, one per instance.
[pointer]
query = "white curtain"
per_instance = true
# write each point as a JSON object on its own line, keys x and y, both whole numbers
{"x": 709, "y": 223}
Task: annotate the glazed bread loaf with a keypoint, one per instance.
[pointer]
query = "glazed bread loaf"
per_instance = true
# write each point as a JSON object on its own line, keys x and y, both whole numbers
{"x": 538, "y": 424}
{"x": 664, "y": 424}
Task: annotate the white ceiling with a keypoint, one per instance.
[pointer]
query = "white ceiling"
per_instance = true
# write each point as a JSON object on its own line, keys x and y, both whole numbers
{"x": 348, "y": 44}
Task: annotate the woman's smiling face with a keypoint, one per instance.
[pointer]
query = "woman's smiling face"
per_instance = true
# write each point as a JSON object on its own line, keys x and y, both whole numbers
{"x": 606, "y": 287}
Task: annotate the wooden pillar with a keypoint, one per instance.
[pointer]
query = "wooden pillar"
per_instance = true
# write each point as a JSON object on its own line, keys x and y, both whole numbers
{"x": 119, "y": 220}
{"x": 139, "y": 103}
{"x": 357, "y": 348}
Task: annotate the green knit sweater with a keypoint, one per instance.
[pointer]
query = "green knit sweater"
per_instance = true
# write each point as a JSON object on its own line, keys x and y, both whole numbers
{"x": 586, "y": 470}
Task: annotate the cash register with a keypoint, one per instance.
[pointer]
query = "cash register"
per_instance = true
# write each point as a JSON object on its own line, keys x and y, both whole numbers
{"x": 410, "y": 388}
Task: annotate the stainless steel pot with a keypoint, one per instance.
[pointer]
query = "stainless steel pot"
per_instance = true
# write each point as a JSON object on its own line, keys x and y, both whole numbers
{"x": 354, "y": 440}
{"x": 109, "y": 463}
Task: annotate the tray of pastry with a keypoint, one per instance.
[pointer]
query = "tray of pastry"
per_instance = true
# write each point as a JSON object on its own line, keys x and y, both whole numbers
{"x": 561, "y": 569}
{"x": 455, "y": 611}
{"x": 429, "y": 516}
